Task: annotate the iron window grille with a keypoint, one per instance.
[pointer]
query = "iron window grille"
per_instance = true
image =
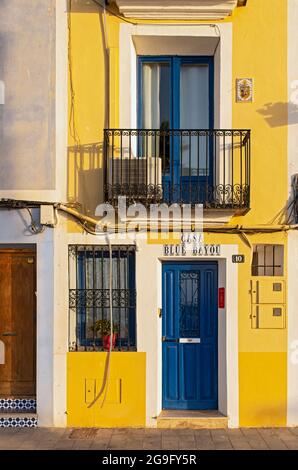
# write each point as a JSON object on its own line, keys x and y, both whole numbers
{"x": 89, "y": 295}
{"x": 268, "y": 260}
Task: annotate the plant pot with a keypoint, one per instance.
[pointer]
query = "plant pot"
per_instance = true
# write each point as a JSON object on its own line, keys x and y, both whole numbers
{"x": 106, "y": 341}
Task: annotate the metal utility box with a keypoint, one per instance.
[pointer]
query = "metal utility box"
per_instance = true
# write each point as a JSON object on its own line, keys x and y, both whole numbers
{"x": 268, "y": 291}
{"x": 268, "y": 303}
{"x": 268, "y": 316}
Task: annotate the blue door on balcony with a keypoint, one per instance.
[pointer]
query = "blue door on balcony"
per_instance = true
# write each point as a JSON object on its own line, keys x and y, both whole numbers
{"x": 176, "y": 93}
{"x": 189, "y": 336}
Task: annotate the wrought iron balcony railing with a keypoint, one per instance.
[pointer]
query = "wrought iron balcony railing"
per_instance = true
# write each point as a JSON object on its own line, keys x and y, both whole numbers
{"x": 209, "y": 167}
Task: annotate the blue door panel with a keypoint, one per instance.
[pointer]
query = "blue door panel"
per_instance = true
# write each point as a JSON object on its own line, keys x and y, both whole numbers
{"x": 171, "y": 354}
{"x": 188, "y": 372}
{"x": 208, "y": 365}
{"x": 209, "y": 303}
{"x": 169, "y": 279}
{"x": 190, "y": 369}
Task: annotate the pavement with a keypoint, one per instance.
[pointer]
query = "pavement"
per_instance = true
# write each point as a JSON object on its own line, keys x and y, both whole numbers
{"x": 148, "y": 439}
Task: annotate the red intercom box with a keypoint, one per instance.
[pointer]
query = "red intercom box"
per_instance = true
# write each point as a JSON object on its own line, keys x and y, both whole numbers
{"x": 221, "y": 297}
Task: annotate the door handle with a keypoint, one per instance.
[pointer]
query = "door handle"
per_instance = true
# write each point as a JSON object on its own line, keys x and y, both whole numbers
{"x": 9, "y": 333}
{"x": 170, "y": 340}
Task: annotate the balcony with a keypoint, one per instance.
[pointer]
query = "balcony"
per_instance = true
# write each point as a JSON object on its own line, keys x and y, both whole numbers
{"x": 208, "y": 167}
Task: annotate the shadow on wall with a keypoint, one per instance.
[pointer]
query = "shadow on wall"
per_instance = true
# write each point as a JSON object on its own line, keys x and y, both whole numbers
{"x": 85, "y": 176}
{"x": 287, "y": 214}
{"x": 280, "y": 114}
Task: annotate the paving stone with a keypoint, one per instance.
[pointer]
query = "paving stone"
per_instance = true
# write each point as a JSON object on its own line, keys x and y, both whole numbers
{"x": 117, "y": 443}
{"x": 240, "y": 444}
{"x": 103, "y": 433}
{"x": 99, "y": 444}
{"x": 221, "y": 439}
{"x": 185, "y": 432}
{"x": 120, "y": 431}
{"x": 284, "y": 434}
{"x": 82, "y": 434}
{"x": 149, "y": 439}
{"x": 152, "y": 442}
{"x": 294, "y": 431}
{"x": 47, "y": 445}
{"x": 254, "y": 438}
{"x": 169, "y": 443}
{"x": 82, "y": 444}
{"x": 219, "y": 435}
{"x": 238, "y": 439}
{"x": 205, "y": 444}
{"x": 9, "y": 446}
{"x": 272, "y": 439}
{"x": 153, "y": 432}
{"x": 134, "y": 444}
{"x": 64, "y": 444}
{"x": 28, "y": 445}
{"x": 136, "y": 432}
{"x": 187, "y": 444}
{"x": 291, "y": 444}
{"x": 169, "y": 433}
{"x": 202, "y": 433}
{"x": 10, "y": 431}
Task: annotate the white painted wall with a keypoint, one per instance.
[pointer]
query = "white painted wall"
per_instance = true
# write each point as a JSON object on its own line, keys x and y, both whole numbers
{"x": 14, "y": 230}
{"x": 27, "y": 116}
{"x": 292, "y": 418}
{"x": 51, "y": 248}
{"x": 60, "y": 267}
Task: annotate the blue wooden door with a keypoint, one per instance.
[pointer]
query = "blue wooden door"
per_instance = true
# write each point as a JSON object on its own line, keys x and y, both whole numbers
{"x": 189, "y": 336}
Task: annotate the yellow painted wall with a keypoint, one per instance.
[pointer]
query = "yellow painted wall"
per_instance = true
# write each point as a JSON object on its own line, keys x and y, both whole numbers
{"x": 89, "y": 109}
{"x": 125, "y": 403}
{"x": 260, "y": 52}
{"x": 263, "y": 389}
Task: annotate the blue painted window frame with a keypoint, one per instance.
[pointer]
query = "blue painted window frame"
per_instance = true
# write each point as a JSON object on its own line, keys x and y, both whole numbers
{"x": 81, "y": 312}
{"x": 175, "y": 63}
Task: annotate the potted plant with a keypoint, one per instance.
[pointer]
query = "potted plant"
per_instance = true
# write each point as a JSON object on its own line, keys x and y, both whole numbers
{"x": 104, "y": 328}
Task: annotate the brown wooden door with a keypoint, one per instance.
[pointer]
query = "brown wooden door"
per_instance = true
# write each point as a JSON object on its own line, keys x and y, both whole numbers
{"x": 18, "y": 323}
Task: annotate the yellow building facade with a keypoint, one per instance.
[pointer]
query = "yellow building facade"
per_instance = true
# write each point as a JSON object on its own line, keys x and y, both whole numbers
{"x": 190, "y": 107}
{"x": 251, "y": 41}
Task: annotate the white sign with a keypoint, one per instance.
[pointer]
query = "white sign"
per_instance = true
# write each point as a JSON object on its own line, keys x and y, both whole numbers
{"x": 192, "y": 244}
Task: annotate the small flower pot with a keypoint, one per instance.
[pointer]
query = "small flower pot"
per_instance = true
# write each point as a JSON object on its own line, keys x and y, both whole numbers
{"x": 106, "y": 340}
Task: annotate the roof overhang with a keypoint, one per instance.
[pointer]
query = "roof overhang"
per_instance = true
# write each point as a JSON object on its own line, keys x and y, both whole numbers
{"x": 175, "y": 9}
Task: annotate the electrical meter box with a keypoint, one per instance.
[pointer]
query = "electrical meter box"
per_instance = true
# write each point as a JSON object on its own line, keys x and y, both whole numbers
{"x": 268, "y": 316}
{"x": 268, "y": 299}
{"x": 268, "y": 291}
{"x": 47, "y": 215}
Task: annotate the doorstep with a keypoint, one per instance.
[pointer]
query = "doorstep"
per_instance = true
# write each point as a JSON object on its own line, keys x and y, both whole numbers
{"x": 190, "y": 419}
